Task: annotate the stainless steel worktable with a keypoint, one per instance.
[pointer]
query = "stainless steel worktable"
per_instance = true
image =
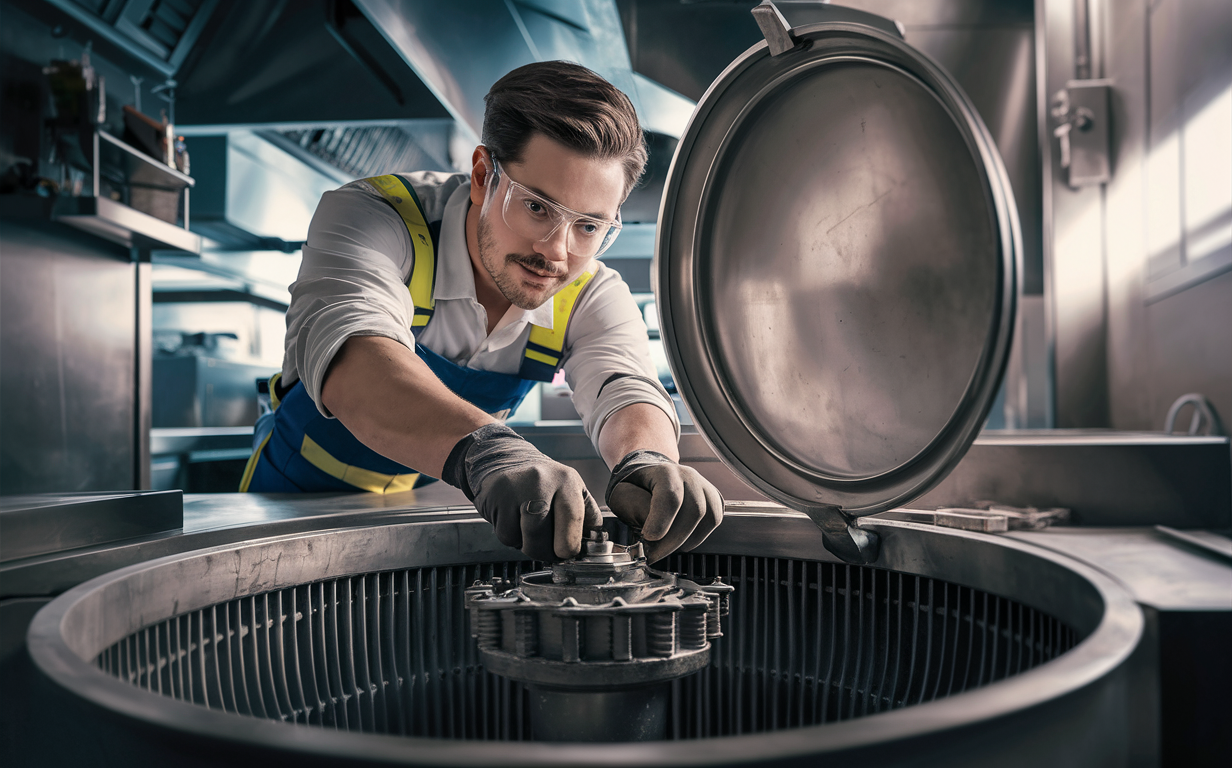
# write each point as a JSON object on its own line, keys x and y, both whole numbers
{"x": 223, "y": 518}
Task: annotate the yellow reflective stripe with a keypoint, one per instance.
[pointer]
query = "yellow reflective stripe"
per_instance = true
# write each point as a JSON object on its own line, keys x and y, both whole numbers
{"x": 251, "y": 466}
{"x": 273, "y": 390}
{"x": 364, "y": 479}
{"x": 419, "y": 320}
{"x": 396, "y": 191}
{"x": 562, "y": 306}
{"x": 533, "y": 355}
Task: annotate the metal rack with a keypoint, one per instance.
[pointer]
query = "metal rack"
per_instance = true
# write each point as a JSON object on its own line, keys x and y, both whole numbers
{"x": 153, "y": 210}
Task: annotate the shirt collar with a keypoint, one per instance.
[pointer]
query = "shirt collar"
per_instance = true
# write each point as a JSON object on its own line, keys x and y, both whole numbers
{"x": 455, "y": 278}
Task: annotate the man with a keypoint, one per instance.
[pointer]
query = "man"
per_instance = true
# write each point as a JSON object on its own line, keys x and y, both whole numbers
{"x": 428, "y": 305}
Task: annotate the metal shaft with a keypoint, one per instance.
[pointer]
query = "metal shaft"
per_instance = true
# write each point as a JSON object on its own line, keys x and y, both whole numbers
{"x": 630, "y": 714}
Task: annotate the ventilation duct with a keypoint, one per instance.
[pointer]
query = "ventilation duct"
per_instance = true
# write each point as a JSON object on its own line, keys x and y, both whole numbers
{"x": 363, "y": 151}
{"x": 158, "y": 33}
{"x": 253, "y": 195}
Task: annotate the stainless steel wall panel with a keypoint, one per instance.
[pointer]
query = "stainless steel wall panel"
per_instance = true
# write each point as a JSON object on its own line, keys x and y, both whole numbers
{"x": 1126, "y": 203}
{"x": 996, "y": 68}
{"x": 1126, "y": 348}
{"x": 1188, "y": 44}
{"x": 1188, "y": 348}
{"x": 1073, "y": 247}
{"x": 68, "y": 361}
{"x": 1162, "y": 58}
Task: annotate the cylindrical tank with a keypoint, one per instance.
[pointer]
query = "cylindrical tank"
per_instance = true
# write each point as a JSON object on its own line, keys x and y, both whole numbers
{"x": 353, "y": 645}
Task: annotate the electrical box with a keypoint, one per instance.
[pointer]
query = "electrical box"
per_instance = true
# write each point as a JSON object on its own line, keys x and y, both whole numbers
{"x": 1081, "y": 114}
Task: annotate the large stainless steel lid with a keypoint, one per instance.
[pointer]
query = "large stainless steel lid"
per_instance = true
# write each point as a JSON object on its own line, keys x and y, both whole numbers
{"x": 837, "y": 265}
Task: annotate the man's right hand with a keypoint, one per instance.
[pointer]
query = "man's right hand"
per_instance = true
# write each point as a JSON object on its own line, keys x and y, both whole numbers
{"x": 535, "y": 504}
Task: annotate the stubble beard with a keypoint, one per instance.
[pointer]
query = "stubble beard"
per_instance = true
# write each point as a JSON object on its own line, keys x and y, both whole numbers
{"x": 506, "y": 280}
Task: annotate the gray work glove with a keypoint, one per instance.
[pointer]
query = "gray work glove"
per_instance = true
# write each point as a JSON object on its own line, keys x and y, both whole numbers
{"x": 670, "y": 506}
{"x": 535, "y": 504}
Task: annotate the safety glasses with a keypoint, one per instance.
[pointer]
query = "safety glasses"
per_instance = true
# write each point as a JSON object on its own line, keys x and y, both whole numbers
{"x": 538, "y": 218}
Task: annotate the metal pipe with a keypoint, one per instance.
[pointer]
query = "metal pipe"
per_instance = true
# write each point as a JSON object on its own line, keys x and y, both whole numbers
{"x": 631, "y": 714}
{"x": 1082, "y": 40}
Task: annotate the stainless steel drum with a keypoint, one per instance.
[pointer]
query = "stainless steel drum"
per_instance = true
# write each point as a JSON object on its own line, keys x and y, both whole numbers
{"x": 837, "y": 264}
{"x": 352, "y": 645}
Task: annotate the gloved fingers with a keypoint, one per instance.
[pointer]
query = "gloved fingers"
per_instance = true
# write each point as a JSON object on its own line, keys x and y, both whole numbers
{"x": 572, "y": 509}
{"x": 506, "y": 521}
{"x": 631, "y": 504}
{"x": 536, "y": 530}
{"x": 667, "y": 494}
{"x": 711, "y": 519}
{"x": 594, "y": 516}
{"x": 690, "y": 508}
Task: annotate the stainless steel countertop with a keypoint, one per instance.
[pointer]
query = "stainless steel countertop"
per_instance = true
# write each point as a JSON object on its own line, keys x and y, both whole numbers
{"x": 222, "y": 511}
{"x": 212, "y": 520}
{"x": 1160, "y": 571}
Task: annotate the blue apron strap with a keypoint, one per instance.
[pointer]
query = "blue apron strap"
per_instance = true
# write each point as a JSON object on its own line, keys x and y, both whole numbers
{"x": 307, "y": 451}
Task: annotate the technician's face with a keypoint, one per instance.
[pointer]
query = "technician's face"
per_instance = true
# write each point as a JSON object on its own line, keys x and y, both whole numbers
{"x": 530, "y": 264}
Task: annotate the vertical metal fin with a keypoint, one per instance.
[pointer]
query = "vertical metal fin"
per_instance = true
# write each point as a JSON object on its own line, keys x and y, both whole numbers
{"x": 806, "y": 643}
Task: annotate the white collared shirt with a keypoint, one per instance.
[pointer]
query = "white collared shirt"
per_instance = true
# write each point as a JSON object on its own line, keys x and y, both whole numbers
{"x": 353, "y": 282}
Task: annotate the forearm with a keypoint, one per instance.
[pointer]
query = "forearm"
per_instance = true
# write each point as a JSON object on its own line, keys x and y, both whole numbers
{"x": 392, "y": 402}
{"x": 639, "y": 426}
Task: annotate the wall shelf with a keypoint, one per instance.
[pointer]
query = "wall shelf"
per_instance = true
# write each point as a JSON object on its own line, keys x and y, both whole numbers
{"x": 105, "y": 218}
{"x": 122, "y": 224}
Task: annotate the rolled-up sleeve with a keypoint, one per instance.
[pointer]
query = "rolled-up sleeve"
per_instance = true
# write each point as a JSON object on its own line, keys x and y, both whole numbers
{"x": 607, "y": 363}
{"x": 352, "y": 282}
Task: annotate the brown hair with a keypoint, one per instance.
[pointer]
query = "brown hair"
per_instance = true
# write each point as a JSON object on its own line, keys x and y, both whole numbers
{"x": 567, "y": 103}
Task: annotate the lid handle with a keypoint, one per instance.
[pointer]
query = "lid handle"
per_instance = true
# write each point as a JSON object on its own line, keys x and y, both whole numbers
{"x": 774, "y": 28}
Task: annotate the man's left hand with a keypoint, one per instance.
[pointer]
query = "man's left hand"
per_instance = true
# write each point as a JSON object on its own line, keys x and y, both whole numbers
{"x": 672, "y": 506}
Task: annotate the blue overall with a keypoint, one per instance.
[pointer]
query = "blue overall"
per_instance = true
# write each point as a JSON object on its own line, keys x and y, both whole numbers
{"x": 284, "y": 467}
{"x": 297, "y": 449}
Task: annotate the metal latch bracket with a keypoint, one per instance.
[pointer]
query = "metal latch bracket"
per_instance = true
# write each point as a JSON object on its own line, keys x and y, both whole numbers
{"x": 842, "y": 538}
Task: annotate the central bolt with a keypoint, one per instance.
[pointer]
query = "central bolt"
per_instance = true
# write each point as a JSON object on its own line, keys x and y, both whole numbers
{"x": 597, "y": 543}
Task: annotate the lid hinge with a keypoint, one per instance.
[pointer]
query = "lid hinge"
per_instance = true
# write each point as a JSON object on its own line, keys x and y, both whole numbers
{"x": 774, "y": 28}
{"x": 842, "y": 538}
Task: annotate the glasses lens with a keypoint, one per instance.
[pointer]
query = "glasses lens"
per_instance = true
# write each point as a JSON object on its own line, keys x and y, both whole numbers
{"x": 537, "y": 218}
{"x": 527, "y": 214}
{"x": 589, "y": 237}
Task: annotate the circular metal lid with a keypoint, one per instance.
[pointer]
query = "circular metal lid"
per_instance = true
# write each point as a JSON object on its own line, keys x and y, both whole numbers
{"x": 837, "y": 266}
